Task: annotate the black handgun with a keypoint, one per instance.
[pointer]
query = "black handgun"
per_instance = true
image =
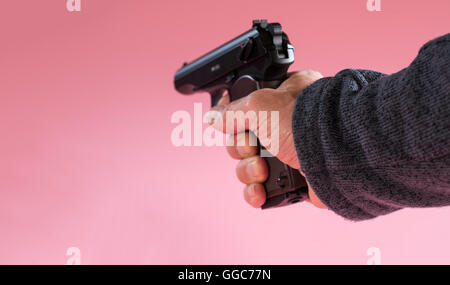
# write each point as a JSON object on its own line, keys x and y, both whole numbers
{"x": 258, "y": 58}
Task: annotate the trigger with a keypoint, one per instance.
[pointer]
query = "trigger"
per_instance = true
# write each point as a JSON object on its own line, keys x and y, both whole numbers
{"x": 216, "y": 95}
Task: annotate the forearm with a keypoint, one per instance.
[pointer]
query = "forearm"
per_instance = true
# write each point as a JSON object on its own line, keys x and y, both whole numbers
{"x": 370, "y": 144}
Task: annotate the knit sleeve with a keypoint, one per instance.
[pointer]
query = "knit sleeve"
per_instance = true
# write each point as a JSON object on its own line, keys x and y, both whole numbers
{"x": 370, "y": 144}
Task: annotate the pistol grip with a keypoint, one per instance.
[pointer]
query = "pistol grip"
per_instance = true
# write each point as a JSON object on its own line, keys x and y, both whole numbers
{"x": 285, "y": 185}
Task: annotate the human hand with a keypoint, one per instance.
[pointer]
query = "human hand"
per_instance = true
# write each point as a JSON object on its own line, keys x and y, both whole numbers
{"x": 252, "y": 169}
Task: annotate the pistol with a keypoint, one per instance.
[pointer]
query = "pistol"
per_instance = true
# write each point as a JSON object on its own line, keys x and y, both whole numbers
{"x": 258, "y": 58}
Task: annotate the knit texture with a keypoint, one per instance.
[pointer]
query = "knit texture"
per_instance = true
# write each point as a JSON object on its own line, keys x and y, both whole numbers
{"x": 370, "y": 144}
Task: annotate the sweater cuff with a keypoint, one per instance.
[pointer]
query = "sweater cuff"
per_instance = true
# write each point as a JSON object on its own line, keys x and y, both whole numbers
{"x": 307, "y": 139}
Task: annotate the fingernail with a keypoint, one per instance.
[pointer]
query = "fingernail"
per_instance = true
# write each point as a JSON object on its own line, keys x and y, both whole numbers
{"x": 253, "y": 168}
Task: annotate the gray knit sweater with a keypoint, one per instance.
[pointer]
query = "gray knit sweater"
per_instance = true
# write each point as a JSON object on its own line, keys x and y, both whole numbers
{"x": 370, "y": 144}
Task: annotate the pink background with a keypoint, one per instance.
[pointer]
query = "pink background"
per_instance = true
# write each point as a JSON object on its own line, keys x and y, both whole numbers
{"x": 85, "y": 153}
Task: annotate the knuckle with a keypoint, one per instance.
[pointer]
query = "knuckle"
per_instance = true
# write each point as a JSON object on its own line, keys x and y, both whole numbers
{"x": 306, "y": 72}
{"x": 258, "y": 97}
{"x": 252, "y": 100}
{"x": 241, "y": 172}
{"x": 233, "y": 152}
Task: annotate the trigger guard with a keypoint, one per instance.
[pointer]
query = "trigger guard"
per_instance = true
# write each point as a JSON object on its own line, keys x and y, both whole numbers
{"x": 243, "y": 86}
{"x": 216, "y": 95}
